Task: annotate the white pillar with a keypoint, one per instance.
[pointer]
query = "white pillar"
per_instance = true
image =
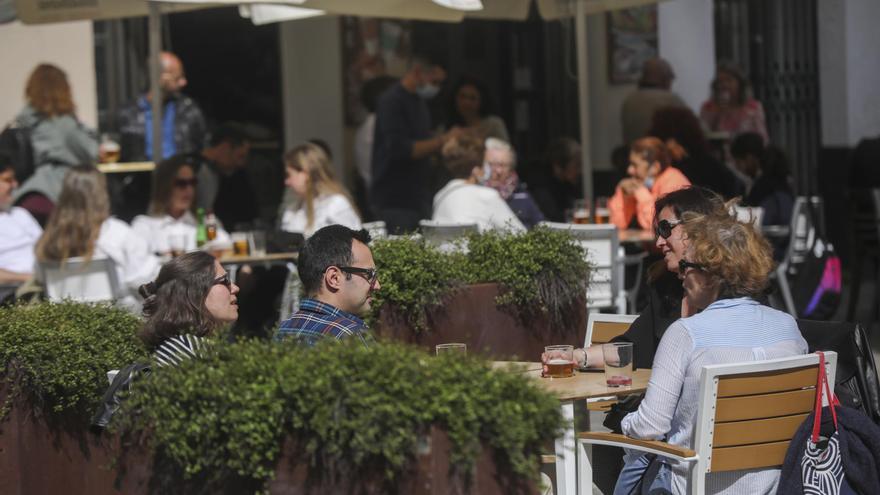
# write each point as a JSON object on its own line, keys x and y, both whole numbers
{"x": 686, "y": 35}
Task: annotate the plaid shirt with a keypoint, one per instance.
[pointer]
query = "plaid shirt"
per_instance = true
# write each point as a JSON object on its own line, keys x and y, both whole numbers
{"x": 316, "y": 320}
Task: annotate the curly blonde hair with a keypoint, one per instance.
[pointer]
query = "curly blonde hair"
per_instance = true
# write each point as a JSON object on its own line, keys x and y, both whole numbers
{"x": 733, "y": 253}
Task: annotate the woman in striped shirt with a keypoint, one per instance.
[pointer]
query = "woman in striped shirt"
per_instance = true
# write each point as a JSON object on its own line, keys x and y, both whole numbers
{"x": 190, "y": 299}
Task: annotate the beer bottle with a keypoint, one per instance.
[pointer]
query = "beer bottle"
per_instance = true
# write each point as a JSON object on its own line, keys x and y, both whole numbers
{"x": 211, "y": 226}
{"x": 201, "y": 229}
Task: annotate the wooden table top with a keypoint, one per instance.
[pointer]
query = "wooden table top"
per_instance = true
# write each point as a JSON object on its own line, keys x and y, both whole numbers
{"x": 121, "y": 168}
{"x": 583, "y": 385}
{"x": 259, "y": 259}
{"x": 635, "y": 236}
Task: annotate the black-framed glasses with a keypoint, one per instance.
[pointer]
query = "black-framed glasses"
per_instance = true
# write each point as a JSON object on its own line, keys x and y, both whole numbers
{"x": 223, "y": 280}
{"x": 664, "y": 228}
{"x": 369, "y": 274}
{"x": 684, "y": 265}
{"x": 184, "y": 183}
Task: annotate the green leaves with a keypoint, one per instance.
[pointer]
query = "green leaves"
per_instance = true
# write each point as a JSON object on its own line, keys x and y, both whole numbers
{"x": 543, "y": 273}
{"x": 59, "y": 354}
{"x": 354, "y": 412}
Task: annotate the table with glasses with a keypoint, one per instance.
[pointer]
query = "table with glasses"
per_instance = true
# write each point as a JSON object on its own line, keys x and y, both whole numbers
{"x": 233, "y": 262}
{"x": 570, "y": 391}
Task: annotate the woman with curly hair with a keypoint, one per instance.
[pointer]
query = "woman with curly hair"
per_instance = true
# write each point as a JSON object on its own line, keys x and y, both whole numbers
{"x": 58, "y": 140}
{"x": 724, "y": 271}
{"x": 190, "y": 299}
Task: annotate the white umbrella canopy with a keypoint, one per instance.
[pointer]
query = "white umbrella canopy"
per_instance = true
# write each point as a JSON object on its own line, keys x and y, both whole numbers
{"x": 34, "y": 12}
{"x": 425, "y": 10}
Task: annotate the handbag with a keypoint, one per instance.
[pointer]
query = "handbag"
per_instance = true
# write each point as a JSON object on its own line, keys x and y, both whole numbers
{"x": 817, "y": 280}
{"x": 822, "y": 470}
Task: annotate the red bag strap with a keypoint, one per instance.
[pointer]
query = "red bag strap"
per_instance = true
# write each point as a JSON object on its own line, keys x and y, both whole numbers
{"x": 822, "y": 387}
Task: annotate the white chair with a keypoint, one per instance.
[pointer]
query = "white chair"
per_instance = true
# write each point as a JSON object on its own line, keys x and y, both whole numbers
{"x": 746, "y": 417}
{"x": 446, "y": 235}
{"x": 377, "y": 229}
{"x": 750, "y": 214}
{"x": 80, "y": 280}
{"x": 603, "y": 251}
{"x": 602, "y": 327}
{"x": 802, "y": 232}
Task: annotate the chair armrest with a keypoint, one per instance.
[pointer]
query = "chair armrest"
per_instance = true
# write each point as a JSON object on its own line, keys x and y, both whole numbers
{"x": 651, "y": 446}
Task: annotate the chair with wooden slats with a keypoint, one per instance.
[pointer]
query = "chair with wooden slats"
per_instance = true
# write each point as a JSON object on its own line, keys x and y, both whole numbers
{"x": 747, "y": 414}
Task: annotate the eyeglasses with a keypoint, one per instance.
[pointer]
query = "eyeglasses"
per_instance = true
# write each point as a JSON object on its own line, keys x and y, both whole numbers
{"x": 369, "y": 274}
{"x": 664, "y": 228}
{"x": 684, "y": 265}
{"x": 184, "y": 183}
{"x": 223, "y": 280}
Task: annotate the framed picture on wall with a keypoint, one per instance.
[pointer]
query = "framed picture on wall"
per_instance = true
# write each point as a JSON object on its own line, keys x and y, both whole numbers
{"x": 632, "y": 39}
{"x": 371, "y": 48}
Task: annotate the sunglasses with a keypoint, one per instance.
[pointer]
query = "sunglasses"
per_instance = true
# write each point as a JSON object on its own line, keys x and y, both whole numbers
{"x": 664, "y": 228}
{"x": 223, "y": 280}
{"x": 184, "y": 183}
{"x": 369, "y": 274}
{"x": 684, "y": 265}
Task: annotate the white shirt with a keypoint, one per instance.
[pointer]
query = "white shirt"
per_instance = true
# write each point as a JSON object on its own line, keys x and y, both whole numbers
{"x": 330, "y": 209}
{"x": 158, "y": 232}
{"x": 19, "y": 233}
{"x": 460, "y": 202}
{"x": 728, "y": 331}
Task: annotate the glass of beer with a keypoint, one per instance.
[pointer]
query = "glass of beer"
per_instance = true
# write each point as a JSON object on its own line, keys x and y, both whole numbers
{"x": 109, "y": 149}
{"x": 618, "y": 364}
{"x": 240, "y": 243}
{"x": 581, "y": 213}
{"x": 453, "y": 348}
{"x": 602, "y": 214}
{"x": 559, "y": 361}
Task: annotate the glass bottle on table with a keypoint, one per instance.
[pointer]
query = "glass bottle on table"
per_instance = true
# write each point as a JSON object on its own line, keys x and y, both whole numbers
{"x": 201, "y": 229}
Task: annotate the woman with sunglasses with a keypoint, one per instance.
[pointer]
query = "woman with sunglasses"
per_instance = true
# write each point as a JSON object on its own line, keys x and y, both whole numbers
{"x": 651, "y": 175}
{"x": 724, "y": 272}
{"x": 664, "y": 290}
{"x": 81, "y": 227}
{"x": 190, "y": 299}
{"x": 170, "y": 226}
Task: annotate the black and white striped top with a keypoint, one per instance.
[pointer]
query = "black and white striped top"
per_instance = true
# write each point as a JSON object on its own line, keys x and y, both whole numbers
{"x": 176, "y": 350}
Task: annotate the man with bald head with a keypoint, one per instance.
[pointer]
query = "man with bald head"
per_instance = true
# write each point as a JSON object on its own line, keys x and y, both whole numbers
{"x": 183, "y": 125}
{"x": 652, "y": 94}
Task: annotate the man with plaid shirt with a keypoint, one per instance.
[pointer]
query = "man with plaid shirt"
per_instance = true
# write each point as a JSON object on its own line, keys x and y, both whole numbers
{"x": 339, "y": 276}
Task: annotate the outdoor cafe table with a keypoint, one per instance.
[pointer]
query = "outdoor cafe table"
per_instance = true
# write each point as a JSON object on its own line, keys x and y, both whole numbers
{"x": 233, "y": 262}
{"x": 575, "y": 389}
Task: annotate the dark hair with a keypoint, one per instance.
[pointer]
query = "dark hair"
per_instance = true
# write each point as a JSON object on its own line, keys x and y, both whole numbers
{"x": 694, "y": 199}
{"x": 561, "y": 151}
{"x": 373, "y": 89}
{"x": 734, "y": 70}
{"x": 6, "y": 161}
{"x": 681, "y": 124}
{"x": 485, "y": 99}
{"x": 772, "y": 161}
{"x": 462, "y": 154}
{"x": 174, "y": 304}
{"x": 747, "y": 143}
{"x": 427, "y": 59}
{"x": 163, "y": 182}
{"x": 329, "y": 246}
{"x": 230, "y": 133}
{"x": 651, "y": 150}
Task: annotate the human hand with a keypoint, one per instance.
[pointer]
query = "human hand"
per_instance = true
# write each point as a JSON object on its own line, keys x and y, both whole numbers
{"x": 629, "y": 185}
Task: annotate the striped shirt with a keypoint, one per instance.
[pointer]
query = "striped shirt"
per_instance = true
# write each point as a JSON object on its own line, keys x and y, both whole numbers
{"x": 728, "y": 331}
{"x": 178, "y": 349}
{"x": 316, "y": 320}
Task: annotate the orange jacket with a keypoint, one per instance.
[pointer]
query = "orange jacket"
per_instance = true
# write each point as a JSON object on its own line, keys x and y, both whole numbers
{"x": 640, "y": 204}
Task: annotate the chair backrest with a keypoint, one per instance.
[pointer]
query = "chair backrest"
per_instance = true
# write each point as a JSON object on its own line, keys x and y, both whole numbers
{"x": 377, "y": 229}
{"x": 748, "y": 412}
{"x": 80, "y": 280}
{"x": 750, "y": 214}
{"x": 602, "y": 327}
{"x": 802, "y": 230}
{"x": 444, "y": 235}
{"x": 602, "y": 251}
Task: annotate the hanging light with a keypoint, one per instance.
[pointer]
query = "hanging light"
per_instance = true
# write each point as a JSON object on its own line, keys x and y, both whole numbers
{"x": 469, "y": 5}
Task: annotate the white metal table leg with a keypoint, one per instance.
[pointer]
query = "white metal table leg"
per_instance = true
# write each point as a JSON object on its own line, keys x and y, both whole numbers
{"x": 566, "y": 464}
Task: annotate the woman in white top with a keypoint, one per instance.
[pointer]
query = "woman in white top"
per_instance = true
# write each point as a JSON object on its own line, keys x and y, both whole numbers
{"x": 725, "y": 268}
{"x": 80, "y": 226}
{"x": 320, "y": 200}
{"x": 170, "y": 225}
{"x": 463, "y": 200}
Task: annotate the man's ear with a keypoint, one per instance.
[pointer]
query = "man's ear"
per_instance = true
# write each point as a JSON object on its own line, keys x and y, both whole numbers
{"x": 333, "y": 279}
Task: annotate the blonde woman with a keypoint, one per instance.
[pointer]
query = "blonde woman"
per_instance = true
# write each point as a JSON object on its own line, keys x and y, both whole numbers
{"x": 320, "y": 200}
{"x": 81, "y": 227}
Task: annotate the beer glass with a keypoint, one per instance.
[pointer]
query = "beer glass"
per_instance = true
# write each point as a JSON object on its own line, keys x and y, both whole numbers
{"x": 560, "y": 361}
{"x": 581, "y": 213}
{"x": 240, "y": 243}
{"x": 618, "y": 364}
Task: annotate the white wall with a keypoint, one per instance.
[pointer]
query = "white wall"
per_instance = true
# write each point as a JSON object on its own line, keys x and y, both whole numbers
{"x": 686, "y": 30}
{"x": 68, "y": 45}
{"x": 311, "y": 75}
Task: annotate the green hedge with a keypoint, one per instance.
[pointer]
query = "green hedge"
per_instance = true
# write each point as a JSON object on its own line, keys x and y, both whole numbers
{"x": 542, "y": 272}
{"x": 355, "y": 413}
{"x": 56, "y": 356}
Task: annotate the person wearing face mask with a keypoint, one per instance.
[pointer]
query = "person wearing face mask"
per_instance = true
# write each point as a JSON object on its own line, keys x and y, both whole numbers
{"x": 403, "y": 144}
{"x": 651, "y": 176}
{"x": 19, "y": 231}
{"x": 463, "y": 199}
{"x": 499, "y": 173}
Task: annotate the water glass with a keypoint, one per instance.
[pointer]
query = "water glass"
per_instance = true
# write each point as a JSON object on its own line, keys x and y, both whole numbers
{"x": 559, "y": 361}
{"x": 257, "y": 241}
{"x": 618, "y": 364}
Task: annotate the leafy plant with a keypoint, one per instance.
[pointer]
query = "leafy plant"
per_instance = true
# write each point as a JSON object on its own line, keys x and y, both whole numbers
{"x": 224, "y": 418}
{"x": 543, "y": 273}
{"x": 57, "y": 355}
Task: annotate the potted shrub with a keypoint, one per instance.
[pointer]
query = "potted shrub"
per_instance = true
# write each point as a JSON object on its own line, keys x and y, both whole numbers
{"x": 507, "y": 295}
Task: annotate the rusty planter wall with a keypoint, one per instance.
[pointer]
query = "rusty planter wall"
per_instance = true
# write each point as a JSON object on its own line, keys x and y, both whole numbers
{"x": 471, "y": 316}
{"x": 37, "y": 460}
